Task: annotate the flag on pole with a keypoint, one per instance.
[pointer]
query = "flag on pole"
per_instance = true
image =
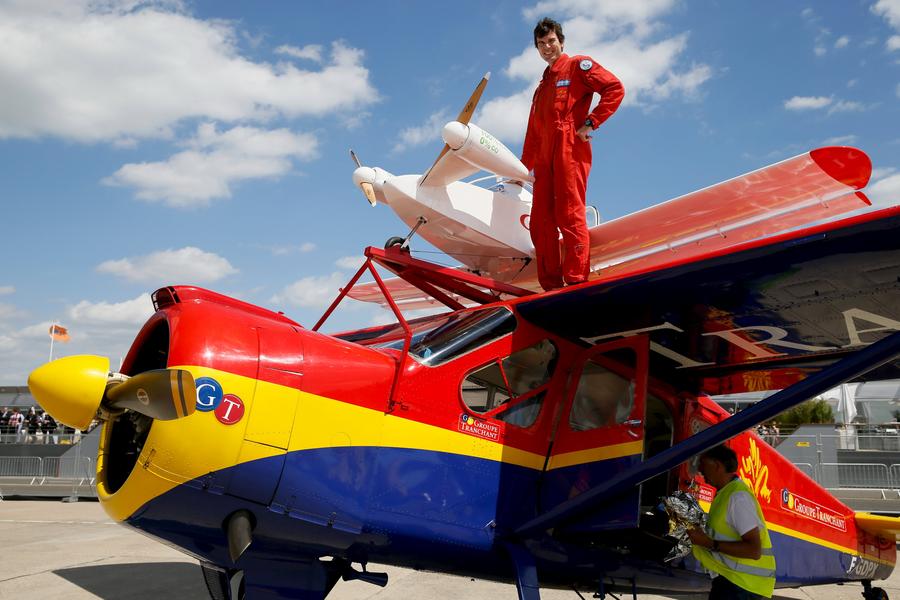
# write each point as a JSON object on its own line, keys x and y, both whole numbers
{"x": 59, "y": 333}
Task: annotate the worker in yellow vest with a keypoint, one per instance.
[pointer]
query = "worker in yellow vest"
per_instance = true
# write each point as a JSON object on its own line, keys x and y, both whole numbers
{"x": 736, "y": 549}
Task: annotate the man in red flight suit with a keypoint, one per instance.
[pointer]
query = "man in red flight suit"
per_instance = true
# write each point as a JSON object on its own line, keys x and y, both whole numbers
{"x": 558, "y": 149}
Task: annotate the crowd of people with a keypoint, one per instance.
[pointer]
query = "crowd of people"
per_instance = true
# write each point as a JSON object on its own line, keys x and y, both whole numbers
{"x": 31, "y": 426}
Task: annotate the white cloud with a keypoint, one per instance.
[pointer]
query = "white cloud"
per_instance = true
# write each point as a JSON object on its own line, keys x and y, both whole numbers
{"x": 620, "y": 34}
{"x": 890, "y": 10}
{"x": 847, "y": 106}
{"x": 106, "y": 70}
{"x": 429, "y": 131}
{"x": 8, "y": 311}
{"x": 842, "y": 42}
{"x": 185, "y": 265}
{"x": 214, "y": 162}
{"x": 129, "y": 312}
{"x": 351, "y": 263}
{"x": 507, "y": 116}
{"x": 819, "y": 50}
{"x": 311, "y": 292}
{"x": 36, "y": 331}
{"x": 807, "y": 102}
{"x": 840, "y": 140}
{"x": 311, "y": 52}
{"x": 885, "y": 192}
{"x": 893, "y": 43}
{"x": 852, "y": 83}
{"x": 6, "y": 290}
{"x": 880, "y": 172}
{"x": 287, "y": 249}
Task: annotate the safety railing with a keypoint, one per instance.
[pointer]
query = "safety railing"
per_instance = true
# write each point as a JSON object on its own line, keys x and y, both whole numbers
{"x": 807, "y": 468}
{"x": 854, "y": 475}
{"x": 41, "y": 438}
{"x": 37, "y": 472}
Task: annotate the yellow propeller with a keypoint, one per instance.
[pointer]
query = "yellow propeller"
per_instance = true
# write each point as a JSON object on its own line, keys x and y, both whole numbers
{"x": 78, "y": 389}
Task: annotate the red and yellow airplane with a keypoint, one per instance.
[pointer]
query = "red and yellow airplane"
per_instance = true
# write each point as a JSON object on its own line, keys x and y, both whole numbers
{"x": 527, "y": 438}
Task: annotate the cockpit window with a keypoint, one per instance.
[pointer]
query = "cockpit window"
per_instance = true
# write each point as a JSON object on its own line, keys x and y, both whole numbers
{"x": 603, "y": 398}
{"x": 512, "y": 389}
{"x": 457, "y": 334}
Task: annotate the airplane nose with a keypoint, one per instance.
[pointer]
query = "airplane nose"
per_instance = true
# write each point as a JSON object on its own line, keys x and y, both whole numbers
{"x": 74, "y": 388}
{"x": 71, "y": 388}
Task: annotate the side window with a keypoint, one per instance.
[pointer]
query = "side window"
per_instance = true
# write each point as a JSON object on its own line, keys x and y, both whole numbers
{"x": 510, "y": 389}
{"x": 603, "y": 398}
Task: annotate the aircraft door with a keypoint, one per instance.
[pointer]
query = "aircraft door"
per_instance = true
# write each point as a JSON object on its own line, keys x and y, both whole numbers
{"x": 699, "y": 413}
{"x": 270, "y": 419}
{"x": 600, "y": 430}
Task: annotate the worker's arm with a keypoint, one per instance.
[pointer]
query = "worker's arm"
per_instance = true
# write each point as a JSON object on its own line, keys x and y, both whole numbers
{"x": 749, "y": 546}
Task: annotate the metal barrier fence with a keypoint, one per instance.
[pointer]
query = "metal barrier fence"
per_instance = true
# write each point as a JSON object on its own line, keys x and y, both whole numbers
{"x": 40, "y": 438}
{"x": 54, "y": 467}
{"x": 853, "y": 475}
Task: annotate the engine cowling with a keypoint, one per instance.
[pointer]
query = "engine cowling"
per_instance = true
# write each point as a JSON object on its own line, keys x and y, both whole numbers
{"x": 480, "y": 149}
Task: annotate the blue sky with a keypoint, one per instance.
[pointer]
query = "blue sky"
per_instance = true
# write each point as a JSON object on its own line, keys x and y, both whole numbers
{"x": 152, "y": 143}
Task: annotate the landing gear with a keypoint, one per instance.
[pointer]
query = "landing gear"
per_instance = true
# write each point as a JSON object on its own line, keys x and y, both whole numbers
{"x": 396, "y": 241}
{"x": 873, "y": 593}
{"x": 404, "y": 242}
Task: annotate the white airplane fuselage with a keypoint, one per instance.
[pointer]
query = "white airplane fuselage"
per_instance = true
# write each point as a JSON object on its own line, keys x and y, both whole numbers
{"x": 482, "y": 229}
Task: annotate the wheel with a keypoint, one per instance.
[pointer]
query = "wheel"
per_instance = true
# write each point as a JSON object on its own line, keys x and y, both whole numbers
{"x": 396, "y": 241}
{"x": 875, "y": 593}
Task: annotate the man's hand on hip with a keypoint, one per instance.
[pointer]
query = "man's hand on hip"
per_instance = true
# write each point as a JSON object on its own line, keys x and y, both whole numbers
{"x": 584, "y": 133}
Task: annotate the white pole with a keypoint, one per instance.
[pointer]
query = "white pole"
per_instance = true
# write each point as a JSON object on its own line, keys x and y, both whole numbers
{"x": 52, "y": 325}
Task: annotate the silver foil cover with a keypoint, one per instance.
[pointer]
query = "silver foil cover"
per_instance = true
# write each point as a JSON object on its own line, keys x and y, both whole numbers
{"x": 684, "y": 513}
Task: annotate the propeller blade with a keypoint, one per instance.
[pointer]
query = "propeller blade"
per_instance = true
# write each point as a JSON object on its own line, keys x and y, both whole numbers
{"x": 71, "y": 388}
{"x": 464, "y": 116}
{"x": 369, "y": 191}
{"x": 469, "y": 109}
{"x": 440, "y": 156}
{"x": 355, "y": 159}
{"x": 163, "y": 394}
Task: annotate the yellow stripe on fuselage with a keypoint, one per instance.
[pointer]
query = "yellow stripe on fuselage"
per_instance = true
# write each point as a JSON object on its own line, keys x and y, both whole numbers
{"x": 578, "y": 457}
{"x": 191, "y": 447}
{"x": 813, "y": 540}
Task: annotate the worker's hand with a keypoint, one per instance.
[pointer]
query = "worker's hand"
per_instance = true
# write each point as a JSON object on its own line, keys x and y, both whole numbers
{"x": 584, "y": 133}
{"x": 698, "y": 538}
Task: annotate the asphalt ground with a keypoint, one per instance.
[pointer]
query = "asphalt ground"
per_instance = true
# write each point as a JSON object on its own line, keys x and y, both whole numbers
{"x": 72, "y": 551}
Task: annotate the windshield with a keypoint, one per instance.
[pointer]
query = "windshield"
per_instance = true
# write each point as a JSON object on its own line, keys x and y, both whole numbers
{"x": 456, "y": 334}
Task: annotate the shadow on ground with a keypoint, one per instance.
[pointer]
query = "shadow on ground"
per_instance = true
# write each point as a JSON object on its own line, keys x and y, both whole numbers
{"x": 138, "y": 581}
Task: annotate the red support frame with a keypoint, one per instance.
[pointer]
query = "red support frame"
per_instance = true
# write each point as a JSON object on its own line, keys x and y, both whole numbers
{"x": 431, "y": 279}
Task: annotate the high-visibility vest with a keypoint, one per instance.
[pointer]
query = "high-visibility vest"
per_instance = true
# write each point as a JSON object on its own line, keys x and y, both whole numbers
{"x": 757, "y": 576}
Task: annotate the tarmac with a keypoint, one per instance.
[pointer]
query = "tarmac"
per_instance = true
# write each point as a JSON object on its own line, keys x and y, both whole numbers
{"x": 73, "y": 551}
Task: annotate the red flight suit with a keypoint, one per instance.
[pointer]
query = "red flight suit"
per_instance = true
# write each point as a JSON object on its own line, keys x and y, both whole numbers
{"x": 562, "y": 162}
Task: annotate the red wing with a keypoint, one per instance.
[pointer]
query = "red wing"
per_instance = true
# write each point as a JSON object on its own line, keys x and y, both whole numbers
{"x": 817, "y": 185}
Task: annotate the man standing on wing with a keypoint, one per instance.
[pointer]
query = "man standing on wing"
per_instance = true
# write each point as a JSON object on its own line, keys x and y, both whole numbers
{"x": 558, "y": 149}
{"x": 737, "y": 551}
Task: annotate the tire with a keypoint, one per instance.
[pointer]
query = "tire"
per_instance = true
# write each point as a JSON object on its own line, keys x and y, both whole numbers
{"x": 396, "y": 241}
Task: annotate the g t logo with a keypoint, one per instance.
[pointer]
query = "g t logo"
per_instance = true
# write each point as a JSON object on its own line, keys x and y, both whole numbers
{"x": 209, "y": 394}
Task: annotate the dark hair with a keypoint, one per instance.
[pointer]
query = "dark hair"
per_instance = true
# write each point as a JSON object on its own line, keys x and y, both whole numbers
{"x": 724, "y": 455}
{"x": 545, "y": 26}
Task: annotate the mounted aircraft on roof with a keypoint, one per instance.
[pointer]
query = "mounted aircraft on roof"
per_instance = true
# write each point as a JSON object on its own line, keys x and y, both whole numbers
{"x": 486, "y": 228}
{"x": 527, "y": 438}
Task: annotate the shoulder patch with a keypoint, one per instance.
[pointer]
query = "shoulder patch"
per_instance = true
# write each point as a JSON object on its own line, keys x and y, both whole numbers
{"x": 585, "y": 65}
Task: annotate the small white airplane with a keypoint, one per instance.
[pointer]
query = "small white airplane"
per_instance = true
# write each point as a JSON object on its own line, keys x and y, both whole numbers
{"x": 483, "y": 223}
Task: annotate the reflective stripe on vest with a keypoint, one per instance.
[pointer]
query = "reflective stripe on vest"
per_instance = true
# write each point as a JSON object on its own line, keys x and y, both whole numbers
{"x": 757, "y": 576}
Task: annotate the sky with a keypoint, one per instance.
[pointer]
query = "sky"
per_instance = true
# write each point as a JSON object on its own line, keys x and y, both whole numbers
{"x": 152, "y": 143}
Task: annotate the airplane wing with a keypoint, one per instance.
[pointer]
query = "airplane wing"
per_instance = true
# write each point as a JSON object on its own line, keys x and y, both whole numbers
{"x": 406, "y": 295}
{"x": 801, "y": 312}
{"x": 762, "y": 315}
{"x": 816, "y": 185}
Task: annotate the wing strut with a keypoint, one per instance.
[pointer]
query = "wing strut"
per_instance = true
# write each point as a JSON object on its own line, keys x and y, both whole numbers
{"x": 846, "y": 369}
